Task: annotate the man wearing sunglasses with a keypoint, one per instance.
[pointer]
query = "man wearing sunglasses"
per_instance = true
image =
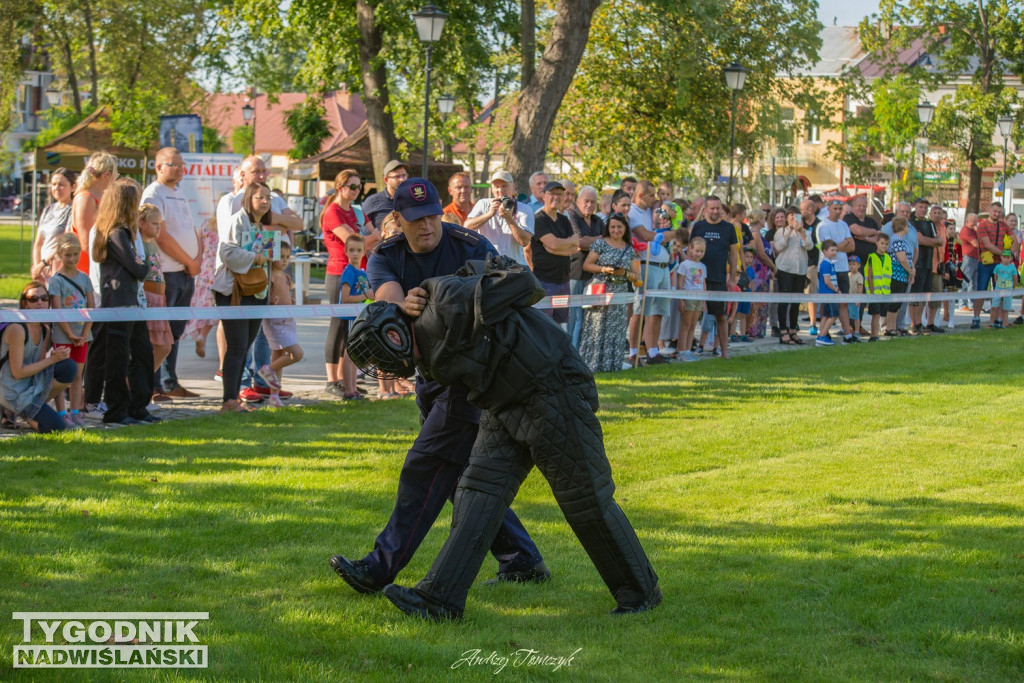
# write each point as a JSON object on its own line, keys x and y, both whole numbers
{"x": 377, "y": 206}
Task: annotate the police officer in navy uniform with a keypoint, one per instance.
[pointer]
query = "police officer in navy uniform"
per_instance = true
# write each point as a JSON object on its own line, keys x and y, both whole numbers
{"x": 427, "y": 248}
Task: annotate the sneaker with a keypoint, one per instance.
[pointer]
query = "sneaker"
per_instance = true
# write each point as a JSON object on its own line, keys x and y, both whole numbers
{"x": 69, "y": 422}
{"x": 975, "y": 323}
{"x": 952, "y": 325}
{"x": 733, "y": 338}
{"x": 182, "y": 392}
{"x": 354, "y": 397}
{"x": 627, "y": 366}
{"x": 872, "y": 339}
{"x": 657, "y": 360}
{"x": 813, "y": 331}
{"x": 270, "y": 377}
{"x": 283, "y": 394}
{"x": 274, "y": 401}
{"x": 334, "y": 389}
{"x": 77, "y": 417}
{"x": 1018, "y": 321}
{"x": 824, "y": 341}
{"x": 695, "y": 346}
{"x": 744, "y": 339}
{"x": 936, "y": 329}
{"x": 96, "y": 408}
{"x": 852, "y": 339}
{"x": 668, "y": 351}
{"x": 151, "y": 419}
{"x": 998, "y": 325}
{"x": 250, "y": 395}
{"x": 689, "y": 357}
{"x": 218, "y": 376}
{"x": 717, "y": 353}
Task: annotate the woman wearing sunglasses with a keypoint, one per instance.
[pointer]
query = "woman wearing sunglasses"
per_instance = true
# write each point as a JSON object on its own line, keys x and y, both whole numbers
{"x": 28, "y": 376}
{"x": 339, "y": 220}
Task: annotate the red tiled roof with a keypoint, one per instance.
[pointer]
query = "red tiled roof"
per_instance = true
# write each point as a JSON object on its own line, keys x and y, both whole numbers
{"x": 345, "y": 113}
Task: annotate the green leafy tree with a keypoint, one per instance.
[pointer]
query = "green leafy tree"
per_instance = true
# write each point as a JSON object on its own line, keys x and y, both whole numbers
{"x": 213, "y": 143}
{"x": 242, "y": 139}
{"x": 650, "y": 98}
{"x": 307, "y": 125}
{"x": 16, "y": 22}
{"x": 371, "y": 48}
{"x": 980, "y": 39}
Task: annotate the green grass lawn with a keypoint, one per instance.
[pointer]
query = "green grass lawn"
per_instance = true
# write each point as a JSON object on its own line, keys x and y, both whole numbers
{"x": 15, "y": 258}
{"x": 829, "y": 514}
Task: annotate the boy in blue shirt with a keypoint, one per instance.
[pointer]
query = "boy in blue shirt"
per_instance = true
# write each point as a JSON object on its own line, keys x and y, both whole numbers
{"x": 827, "y": 282}
{"x": 355, "y": 289}
{"x": 1005, "y": 278}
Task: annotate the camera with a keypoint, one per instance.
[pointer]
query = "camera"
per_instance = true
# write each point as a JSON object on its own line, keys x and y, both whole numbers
{"x": 662, "y": 213}
{"x": 508, "y": 204}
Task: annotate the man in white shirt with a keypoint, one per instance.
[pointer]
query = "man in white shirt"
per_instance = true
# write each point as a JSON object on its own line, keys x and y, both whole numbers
{"x": 181, "y": 256}
{"x": 509, "y": 231}
{"x": 835, "y": 229}
{"x": 281, "y": 217}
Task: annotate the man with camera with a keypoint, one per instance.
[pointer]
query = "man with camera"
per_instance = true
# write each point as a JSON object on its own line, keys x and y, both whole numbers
{"x": 505, "y": 222}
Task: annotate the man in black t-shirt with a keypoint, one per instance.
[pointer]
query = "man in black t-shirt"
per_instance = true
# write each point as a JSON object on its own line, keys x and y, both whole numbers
{"x": 721, "y": 256}
{"x": 863, "y": 227}
{"x": 927, "y": 240}
{"x": 553, "y": 245}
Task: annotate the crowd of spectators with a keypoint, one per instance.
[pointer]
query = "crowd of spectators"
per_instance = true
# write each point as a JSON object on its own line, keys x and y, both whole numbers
{"x": 105, "y": 241}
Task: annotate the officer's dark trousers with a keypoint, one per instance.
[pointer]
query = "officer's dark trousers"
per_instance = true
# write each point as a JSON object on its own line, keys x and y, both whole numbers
{"x": 556, "y": 430}
{"x": 428, "y": 478}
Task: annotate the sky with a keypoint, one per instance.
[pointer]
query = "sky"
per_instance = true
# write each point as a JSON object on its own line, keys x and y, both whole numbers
{"x": 849, "y": 12}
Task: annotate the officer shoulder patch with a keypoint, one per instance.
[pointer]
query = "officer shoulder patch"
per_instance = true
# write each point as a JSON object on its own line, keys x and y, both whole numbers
{"x": 390, "y": 241}
{"x": 464, "y": 234}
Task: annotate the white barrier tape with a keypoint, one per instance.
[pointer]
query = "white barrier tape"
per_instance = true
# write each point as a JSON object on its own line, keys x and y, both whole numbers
{"x": 70, "y": 315}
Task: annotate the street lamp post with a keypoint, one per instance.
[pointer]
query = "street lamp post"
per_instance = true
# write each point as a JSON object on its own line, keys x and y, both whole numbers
{"x": 249, "y": 114}
{"x": 735, "y": 78}
{"x": 925, "y": 112}
{"x": 429, "y": 24}
{"x": 1005, "y": 128}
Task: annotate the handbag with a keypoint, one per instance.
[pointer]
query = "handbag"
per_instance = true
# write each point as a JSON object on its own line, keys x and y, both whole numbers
{"x": 249, "y": 283}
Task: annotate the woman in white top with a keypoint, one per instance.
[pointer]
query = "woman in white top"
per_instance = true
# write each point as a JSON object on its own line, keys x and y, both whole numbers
{"x": 52, "y": 224}
{"x": 233, "y": 259}
{"x": 791, "y": 244}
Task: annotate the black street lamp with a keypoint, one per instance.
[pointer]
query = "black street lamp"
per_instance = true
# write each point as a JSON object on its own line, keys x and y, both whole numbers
{"x": 429, "y": 24}
{"x": 735, "y": 78}
{"x": 1005, "y": 128}
{"x": 445, "y": 104}
{"x": 249, "y": 114}
{"x": 925, "y": 112}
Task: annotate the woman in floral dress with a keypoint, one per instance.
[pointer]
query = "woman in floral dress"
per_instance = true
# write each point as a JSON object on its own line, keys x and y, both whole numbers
{"x": 603, "y": 341}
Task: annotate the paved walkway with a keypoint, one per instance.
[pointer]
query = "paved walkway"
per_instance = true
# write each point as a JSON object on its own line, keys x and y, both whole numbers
{"x": 307, "y": 378}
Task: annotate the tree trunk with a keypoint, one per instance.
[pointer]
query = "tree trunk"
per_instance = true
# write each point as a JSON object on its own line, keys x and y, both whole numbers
{"x": 90, "y": 36}
{"x": 540, "y": 99}
{"x": 376, "y": 99}
{"x": 974, "y": 188}
{"x": 527, "y": 42}
{"x": 65, "y": 50}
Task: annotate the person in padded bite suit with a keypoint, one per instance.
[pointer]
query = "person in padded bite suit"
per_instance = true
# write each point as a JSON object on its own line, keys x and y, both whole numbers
{"x": 426, "y": 247}
{"x": 478, "y": 329}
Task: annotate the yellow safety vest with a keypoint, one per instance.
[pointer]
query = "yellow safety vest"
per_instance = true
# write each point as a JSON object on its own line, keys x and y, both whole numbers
{"x": 881, "y": 273}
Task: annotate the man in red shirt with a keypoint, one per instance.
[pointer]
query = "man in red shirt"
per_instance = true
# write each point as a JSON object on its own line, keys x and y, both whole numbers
{"x": 992, "y": 232}
{"x": 969, "y": 247}
{"x": 460, "y": 187}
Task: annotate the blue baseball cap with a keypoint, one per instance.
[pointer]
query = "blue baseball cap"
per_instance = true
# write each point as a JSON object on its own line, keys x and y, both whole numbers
{"x": 416, "y": 198}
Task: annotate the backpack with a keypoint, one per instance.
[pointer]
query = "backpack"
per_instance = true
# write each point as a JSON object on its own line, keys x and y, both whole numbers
{"x": 3, "y": 329}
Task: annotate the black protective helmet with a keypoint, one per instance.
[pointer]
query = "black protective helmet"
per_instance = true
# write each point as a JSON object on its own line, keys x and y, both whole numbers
{"x": 380, "y": 342}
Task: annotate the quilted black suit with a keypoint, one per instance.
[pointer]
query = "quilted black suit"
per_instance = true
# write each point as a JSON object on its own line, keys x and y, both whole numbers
{"x": 539, "y": 400}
